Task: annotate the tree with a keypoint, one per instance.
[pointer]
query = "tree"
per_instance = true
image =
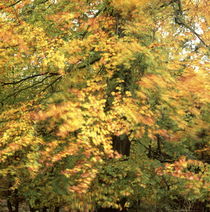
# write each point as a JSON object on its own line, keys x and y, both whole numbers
{"x": 104, "y": 104}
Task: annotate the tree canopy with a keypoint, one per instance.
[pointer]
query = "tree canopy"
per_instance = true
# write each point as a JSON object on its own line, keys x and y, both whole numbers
{"x": 104, "y": 105}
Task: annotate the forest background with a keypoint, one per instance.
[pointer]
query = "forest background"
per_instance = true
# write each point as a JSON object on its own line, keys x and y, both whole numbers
{"x": 104, "y": 105}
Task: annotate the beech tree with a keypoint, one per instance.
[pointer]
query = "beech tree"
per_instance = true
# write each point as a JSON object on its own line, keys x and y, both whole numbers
{"x": 104, "y": 105}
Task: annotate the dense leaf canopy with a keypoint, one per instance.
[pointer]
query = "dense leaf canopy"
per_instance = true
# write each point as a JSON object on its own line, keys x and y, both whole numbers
{"x": 104, "y": 104}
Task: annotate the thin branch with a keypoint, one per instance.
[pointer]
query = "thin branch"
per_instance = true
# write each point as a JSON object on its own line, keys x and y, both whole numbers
{"x": 19, "y": 91}
{"x": 85, "y": 63}
{"x": 28, "y": 77}
{"x": 11, "y": 5}
{"x": 51, "y": 84}
{"x": 179, "y": 4}
{"x": 7, "y": 47}
{"x": 180, "y": 20}
{"x": 182, "y": 23}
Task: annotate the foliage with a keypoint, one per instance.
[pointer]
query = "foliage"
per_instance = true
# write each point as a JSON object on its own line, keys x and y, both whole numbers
{"x": 104, "y": 104}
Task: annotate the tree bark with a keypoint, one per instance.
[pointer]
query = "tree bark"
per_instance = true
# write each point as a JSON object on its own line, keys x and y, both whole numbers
{"x": 44, "y": 209}
{"x": 57, "y": 209}
{"x": 9, "y": 206}
{"x": 121, "y": 144}
{"x": 16, "y": 201}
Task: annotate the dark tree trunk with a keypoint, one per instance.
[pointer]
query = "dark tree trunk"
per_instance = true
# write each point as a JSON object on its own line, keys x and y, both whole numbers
{"x": 57, "y": 209}
{"x": 9, "y": 206}
{"x": 44, "y": 209}
{"x": 32, "y": 209}
{"x": 16, "y": 206}
{"x": 149, "y": 151}
{"x": 16, "y": 203}
{"x": 121, "y": 144}
{"x": 159, "y": 152}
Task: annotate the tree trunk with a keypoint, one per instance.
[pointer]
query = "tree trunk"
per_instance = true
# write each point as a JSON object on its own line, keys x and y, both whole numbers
{"x": 9, "y": 206}
{"x": 16, "y": 206}
{"x": 32, "y": 209}
{"x": 121, "y": 144}
{"x": 16, "y": 201}
{"x": 57, "y": 209}
{"x": 44, "y": 209}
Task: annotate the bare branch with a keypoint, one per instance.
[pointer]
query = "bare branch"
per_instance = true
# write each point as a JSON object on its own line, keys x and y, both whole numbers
{"x": 29, "y": 77}
{"x": 52, "y": 83}
{"x": 25, "y": 88}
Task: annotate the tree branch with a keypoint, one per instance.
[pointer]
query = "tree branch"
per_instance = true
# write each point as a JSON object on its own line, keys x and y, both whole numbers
{"x": 11, "y": 5}
{"x": 85, "y": 63}
{"x": 180, "y": 21}
{"x": 29, "y": 77}
{"x": 179, "y": 18}
{"x": 52, "y": 83}
{"x": 19, "y": 91}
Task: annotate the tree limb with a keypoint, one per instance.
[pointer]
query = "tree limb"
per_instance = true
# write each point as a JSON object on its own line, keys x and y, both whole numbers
{"x": 19, "y": 91}
{"x": 28, "y": 77}
{"x": 180, "y": 21}
{"x": 52, "y": 83}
